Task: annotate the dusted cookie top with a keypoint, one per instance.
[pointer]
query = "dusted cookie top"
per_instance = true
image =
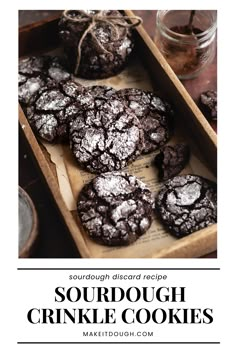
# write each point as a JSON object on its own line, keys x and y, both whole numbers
{"x": 155, "y": 114}
{"x": 208, "y": 100}
{"x": 100, "y": 92}
{"x": 104, "y": 50}
{"x": 115, "y": 208}
{"x": 36, "y": 72}
{"x": 106, "y": 137}
{"x": 187, "y": 204}
{"x": 53, "y": 107}
{"x": 57, "y": 69}
{"x": 33, "y": 66}
{"x": 28, "y": 89}
{"x": 91, "y": 96}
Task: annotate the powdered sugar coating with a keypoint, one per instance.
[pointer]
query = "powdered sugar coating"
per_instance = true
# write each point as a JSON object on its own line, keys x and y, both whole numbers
{"x": 52, "y": 100}
{"x": 208, "y": 102}
{"x": 155, "y": 114}
{"x": 36, "y": 72}
{"x": 115, "y": 208}
{"x": 46, "y": 125}
{"x": 106, "y": 137}
{"x": 49, "y": 115}
{"x": 57, "y": 70}
{"x": 95, "y": 62}
{"x": 187, "y": 204}
{"x": 29, "y": 88}
{"x": 21, "y": 79}
{"x": 33, "y": 65}
{"x": 87, "y": 96}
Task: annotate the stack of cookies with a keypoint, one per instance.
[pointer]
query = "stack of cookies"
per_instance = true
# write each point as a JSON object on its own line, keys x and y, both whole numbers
{"x": 103, "y": 39}
{"x": 106, "y": 130}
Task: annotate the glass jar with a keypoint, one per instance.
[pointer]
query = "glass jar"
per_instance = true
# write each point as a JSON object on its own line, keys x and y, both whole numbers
{"x": 187, "y": 47}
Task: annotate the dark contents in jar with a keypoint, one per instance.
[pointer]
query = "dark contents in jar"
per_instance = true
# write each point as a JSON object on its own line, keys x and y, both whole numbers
{"x": 185, "y": 59}
{"x": 186, "y": 30}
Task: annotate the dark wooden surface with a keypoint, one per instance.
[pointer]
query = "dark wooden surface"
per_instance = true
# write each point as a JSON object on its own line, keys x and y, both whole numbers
{"x": 54, "y": 240}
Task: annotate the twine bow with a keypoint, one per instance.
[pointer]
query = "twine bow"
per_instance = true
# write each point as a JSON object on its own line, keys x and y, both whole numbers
{"x": 93, "y": 20}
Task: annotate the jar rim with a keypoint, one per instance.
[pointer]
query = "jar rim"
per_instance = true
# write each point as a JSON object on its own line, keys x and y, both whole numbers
{"x": 200, "y": 37}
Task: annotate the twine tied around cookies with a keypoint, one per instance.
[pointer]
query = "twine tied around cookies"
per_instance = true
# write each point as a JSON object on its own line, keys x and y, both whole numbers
{"x": 93, "y": 20}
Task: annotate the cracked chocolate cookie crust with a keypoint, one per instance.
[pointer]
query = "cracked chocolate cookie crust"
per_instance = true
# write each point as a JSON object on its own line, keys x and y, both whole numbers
{"x": 107, "y": 137}
{"x": 187, "y": 204}
{"x": 104, "y": 51}
{"x": 36, "y": 72}
{"x": 171, "y": 160}
{"x": 208, "y": 101}
{"x": 115, "y": 208}
{"x": 92, "y": 96}
{"x": 155, "y": 115}
{"x": 54, "y": 106}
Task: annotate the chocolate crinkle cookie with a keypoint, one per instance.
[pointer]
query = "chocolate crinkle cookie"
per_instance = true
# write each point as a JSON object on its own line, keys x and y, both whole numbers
{"x": 104, "y": 49}
{"x": 171, "y": 160}
{"x": 208, "y": 101}
{"x": 36, "y": 72}
{"x": 115, "y": 208}
{"x": 54, "y": 106}
{"x": 187, "y": 204}
{"x": 57, "y": 69}
{"x": 155, "y": 115}
{"x": 31, "y": 78}
{"x": 91, "y": 96}
{"x": 107, "y": 137}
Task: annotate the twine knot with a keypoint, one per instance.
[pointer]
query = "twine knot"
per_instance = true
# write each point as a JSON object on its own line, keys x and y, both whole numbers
{"x": 114, "y": 21}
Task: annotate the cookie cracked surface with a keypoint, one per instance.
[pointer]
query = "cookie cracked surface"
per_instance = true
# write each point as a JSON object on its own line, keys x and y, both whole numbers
{"x": 107, "y": 137}
{"x": 171, "y": 160}
{"x": 36, "y": 72}
{"x": 208, "y": 100}
{"x": 155, "y": 115}
{"x": 91, "y": 96}
{"x": 96, "y": 63}
{"x": 115, "y": 208}
{"x": 53, "y": 108}
{"x": 187, "y": 204}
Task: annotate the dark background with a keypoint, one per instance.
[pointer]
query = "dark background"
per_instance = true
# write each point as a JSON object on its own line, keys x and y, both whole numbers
{"x": 54, "y": 240}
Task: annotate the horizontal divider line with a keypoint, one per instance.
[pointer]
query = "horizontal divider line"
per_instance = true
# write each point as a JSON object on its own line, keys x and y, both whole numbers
{"x": 118, "y": 342}
{"x": 118, "y": 268}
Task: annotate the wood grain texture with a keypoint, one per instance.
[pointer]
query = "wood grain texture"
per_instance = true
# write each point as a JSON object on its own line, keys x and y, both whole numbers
{"x": 38, "y": 36}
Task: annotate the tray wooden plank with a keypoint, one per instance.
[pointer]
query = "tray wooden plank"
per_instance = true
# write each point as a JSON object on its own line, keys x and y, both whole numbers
{"x": 49, "y": 176}
{"x": 42, "y": 35}
{"x": 38, "y": 36}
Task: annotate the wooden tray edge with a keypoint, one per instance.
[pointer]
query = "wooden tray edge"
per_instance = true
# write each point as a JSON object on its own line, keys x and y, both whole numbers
{"x": 52, "y": 185}
{"x": 179, "y": 86}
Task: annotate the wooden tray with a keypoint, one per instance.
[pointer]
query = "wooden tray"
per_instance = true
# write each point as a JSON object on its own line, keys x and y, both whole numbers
{"x": 41, "y": 37}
